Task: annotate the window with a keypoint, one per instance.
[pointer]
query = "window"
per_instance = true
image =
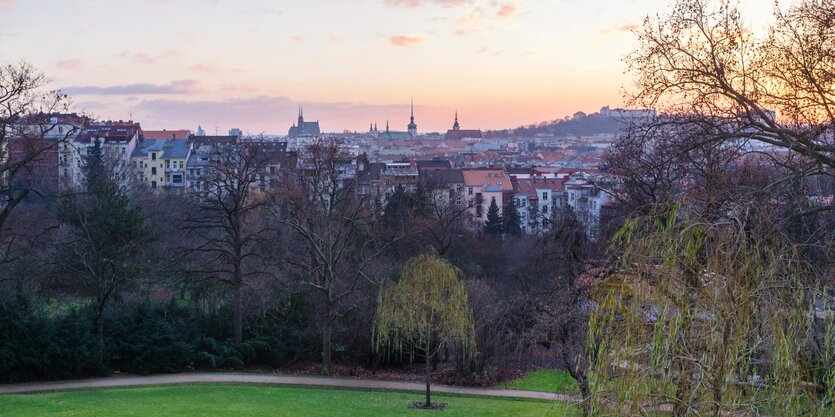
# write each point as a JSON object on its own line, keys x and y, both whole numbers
{"x": 153, "y": 170}
{"x": 167, "y": 163}
{"x": 544, "y": 196}
{"x": 457, "y": 188}
{"x": 153, "y": 156}
{"x": 153, "y": 184}
{"x": 177, "y": 179}
{"x": 458, "y": 201}
{"x": 181, "y": 164}
{"x": 470, "y": 191}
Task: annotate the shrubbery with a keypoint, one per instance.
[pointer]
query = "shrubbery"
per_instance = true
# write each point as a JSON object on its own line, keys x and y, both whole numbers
{"x": 146, "y": 337}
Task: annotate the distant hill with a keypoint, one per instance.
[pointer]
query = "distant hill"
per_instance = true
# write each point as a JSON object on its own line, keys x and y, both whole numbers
{"x": 607, "y": 121}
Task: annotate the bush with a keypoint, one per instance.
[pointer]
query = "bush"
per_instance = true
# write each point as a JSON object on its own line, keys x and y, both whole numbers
{"x": 35, "y": 346}
{"x": 147, "y": 337}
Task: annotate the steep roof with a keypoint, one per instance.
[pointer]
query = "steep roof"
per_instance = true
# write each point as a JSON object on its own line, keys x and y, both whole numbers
{"x": 109, "y": 132}
{"x": 529, "y": 186}
{"x": 166, "y": 134}
{"x": 441, "y": 176}
{"x": 487, "y": 177}
{"x": 463, "y": 133}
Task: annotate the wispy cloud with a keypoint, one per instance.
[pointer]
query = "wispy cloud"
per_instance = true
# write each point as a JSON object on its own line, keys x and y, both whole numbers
{"x": 626, "y": 27}
{"x": 175, "y": 87}
{"x": 297, "y": 38}
{"x": 406, "y": 40}
{"x": 507, "y": 10}
{"x": 416, "y": 3}
{"x": 69, "y": 64}
{"x": 144, "y": 58}
{"x": 6, "y": 5}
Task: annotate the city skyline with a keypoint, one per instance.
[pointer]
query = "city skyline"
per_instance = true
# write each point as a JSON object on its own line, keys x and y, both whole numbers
{"x": 180, "y": 63}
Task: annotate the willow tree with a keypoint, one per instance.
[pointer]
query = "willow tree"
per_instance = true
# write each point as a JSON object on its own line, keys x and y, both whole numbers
{"x": 710, "y": 318}
{"x": 425, "y": 313}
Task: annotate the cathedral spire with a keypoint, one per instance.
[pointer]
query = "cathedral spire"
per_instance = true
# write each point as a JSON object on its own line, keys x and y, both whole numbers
{"x": 412, "y": 128}
{"x": 455, "y": 125}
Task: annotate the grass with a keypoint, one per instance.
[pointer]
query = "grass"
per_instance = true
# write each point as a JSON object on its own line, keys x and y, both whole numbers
{"x": 260, "y": 400}
{"x": 547, "y": 380}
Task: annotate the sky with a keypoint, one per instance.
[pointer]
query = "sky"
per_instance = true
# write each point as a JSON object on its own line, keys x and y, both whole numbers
{"x": 250, "y": 64}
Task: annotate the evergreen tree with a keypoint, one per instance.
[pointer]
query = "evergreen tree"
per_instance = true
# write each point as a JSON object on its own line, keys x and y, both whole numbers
{"x": 493, "y": 225}
{"x": 104, "y": 239}
{"x": 399, "y": 207}
{"x": 512, "y": 222}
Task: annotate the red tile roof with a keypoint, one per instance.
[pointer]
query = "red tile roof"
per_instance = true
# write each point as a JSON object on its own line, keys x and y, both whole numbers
{"x": 167, "y": 134}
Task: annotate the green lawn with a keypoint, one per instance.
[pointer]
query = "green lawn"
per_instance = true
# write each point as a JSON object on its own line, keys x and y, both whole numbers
{"x": 549, "y": 380}
{"x": 260, "y": 400}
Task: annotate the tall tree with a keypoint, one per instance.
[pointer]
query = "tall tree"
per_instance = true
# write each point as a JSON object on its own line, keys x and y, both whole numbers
{"x": 426, "y": 312}
{"x": 493, "y": 225}
{"x": 106, "y": 234}
{"x": 700, "y": 62}
{"x": 511, "y": 221}
{"x": 24, "y": 118}
{"x": 321, "y": 205}
{"x": 228, "y": 220}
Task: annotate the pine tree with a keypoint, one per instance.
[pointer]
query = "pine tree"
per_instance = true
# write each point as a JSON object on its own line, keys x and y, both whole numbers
{"x": 493, "y": 225}
{"x": 107, "y": 232}
{"x": 512, "y": 222}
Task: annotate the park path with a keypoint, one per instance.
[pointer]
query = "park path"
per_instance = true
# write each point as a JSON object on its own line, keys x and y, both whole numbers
{"x": 135, "y": 381}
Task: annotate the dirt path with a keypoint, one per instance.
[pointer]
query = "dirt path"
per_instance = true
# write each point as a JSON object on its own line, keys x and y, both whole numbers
{"x": 134, "y": 381}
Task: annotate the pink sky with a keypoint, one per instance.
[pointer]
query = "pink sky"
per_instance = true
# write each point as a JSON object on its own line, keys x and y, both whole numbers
{"x": 251, "y": 63}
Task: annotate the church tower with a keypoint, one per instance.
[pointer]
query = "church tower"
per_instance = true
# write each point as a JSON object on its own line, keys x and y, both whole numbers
{"x": 455, "y": 125}
{"x": 412, "y": 128}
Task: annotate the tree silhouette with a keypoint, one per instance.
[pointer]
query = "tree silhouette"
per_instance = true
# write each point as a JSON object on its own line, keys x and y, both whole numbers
{"x": 493, "y": 226}
{"x": 512, "y": 222}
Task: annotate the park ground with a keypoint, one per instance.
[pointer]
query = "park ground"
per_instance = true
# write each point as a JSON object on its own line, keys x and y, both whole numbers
{"x": 278, "y": 400}
{"x": 261, "y": 400}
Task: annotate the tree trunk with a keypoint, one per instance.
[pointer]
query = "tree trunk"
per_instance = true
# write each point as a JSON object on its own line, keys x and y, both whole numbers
{"x": 326, "y": 340}
{"x": 428, "y": 380}
{"x": 99, "y": 329}
{"x": 237, "y": 313}
{"x": 583, "y": 383}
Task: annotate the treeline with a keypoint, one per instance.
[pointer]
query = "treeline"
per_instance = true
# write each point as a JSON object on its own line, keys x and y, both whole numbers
{"x": 248, "y": 274}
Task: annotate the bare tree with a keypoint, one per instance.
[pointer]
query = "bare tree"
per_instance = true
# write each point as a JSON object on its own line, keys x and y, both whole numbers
{"x": 321, "y": 205}
{"x": 228, "y": 223}
{"x": 27, "y": 133}
{"x": 701, "y": 62}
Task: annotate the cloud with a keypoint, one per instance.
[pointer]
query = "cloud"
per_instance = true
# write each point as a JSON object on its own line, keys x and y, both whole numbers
{"x": 6, "y": 5}
{"x": 297, "y": 38}
{"x": 406, "y": 40}
{"x": 175, "y": 87}
{"x": 143, "y": 58}
{"x": 416, "y": 3}
{"x": 69, "y": 64}
{"x": 203, "y": 68}
{"x": 626, "y": 27}
{"x": 507, "y": 10}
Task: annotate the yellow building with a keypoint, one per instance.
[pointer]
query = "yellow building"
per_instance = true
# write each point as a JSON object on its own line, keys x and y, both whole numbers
{"x": 161, "y": 163}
